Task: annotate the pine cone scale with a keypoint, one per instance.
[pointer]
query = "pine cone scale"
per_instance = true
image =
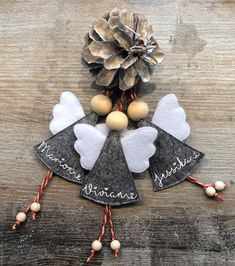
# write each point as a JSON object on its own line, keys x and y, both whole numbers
{"x": 158, "y": 56}
{"x": 142, "y": 70}
{"x": 102, "y": 49}
{"x": 130, "y": 60}
{"x": 114, "y": 61}
{"x": 129, "y": 76}
{"x": 122, "y": 38}
{"x": 105, "y": 77}
{"x": 101, "y": 27}
{"x": 89, "y": 58}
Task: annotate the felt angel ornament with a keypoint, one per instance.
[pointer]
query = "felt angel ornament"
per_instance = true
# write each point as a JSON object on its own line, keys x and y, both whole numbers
{"x": 111, "y": 157}
{"x": 102, "y": 157}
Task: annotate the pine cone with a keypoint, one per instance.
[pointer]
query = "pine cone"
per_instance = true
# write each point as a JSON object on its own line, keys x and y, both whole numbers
{"x": 121, "y": 46}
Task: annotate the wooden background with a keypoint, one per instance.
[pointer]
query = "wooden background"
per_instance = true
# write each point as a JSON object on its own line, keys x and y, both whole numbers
{"x": 40, "y": 45}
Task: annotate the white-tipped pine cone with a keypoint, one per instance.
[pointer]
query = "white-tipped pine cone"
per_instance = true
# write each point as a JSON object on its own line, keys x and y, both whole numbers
{"x": 120, "y": 45}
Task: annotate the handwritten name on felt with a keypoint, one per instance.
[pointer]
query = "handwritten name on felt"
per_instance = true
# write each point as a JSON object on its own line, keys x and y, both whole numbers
{"x": 90, "y": 189}
{"x": 45, "y": 148}
{"x": 177, "y": 165}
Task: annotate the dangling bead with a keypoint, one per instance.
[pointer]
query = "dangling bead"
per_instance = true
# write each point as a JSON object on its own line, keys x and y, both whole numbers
{"x": 35, "y": 207}
{"x": 210, "y": 191}
{"x": 219, "y": 185}
{"x": 115, "y": 245}
{"x": 96, "y": 245}
{"x": 21, "y": 217}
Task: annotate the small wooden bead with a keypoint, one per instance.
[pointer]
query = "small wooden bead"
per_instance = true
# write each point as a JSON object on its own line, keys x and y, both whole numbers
{"x": 35, "y": 207}
{"x": 210, "y": 191}
{"x": 101, "y": 104}
{"x": 117, "y": 121}
{"x": 219, "y": 185}
{"x": 137, "y": 110}
{"x": 96, "y": 245}
{"x": 115, "y": 245}
{"x": 21, "y": 217}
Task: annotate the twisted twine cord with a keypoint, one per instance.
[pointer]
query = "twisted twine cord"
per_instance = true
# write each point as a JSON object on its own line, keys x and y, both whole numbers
{"x": 44, "y": 184}
{"x": 121, "y": 101}
{"x": 133, "y": 94}
{"x": 205, "y": 186}
{"x": 109, "y": 93}
{"x": 102, "y": 232}
{"x": 112, "y": 230}
{"x": 47, "y": 178}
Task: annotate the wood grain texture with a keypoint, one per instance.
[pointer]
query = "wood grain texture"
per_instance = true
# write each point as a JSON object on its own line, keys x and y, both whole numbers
{"x": 40, "y": 44}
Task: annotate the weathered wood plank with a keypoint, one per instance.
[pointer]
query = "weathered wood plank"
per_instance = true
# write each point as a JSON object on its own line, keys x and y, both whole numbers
{"x": 40, "y": 44}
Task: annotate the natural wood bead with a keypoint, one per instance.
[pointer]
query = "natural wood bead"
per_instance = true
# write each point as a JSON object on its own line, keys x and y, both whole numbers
{"x": 137, "y": 110}
{"x": 96, "y": 245}
{"x": 210, "y": 191}
{"x": 21, "y": 217}
{"x": 115, "y": 245}
{"x": 219, "y": 185}
{"x": 101, "y": 104}
{"x": 35, "y": 207}
{"x": 117, "y": 121}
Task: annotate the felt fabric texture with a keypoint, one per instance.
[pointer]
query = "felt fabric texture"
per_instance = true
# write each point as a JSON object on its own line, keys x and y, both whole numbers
{"x": 171, "y": 117}
{"x": 137, "y": 145}
{"x": 59, "y": 155}
{"x": 173, "y": 160}
{"x": 65, "y": 113}
{"x": 110, "y": 182}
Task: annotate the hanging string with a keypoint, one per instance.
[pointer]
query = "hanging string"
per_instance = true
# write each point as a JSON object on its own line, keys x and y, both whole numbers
{"x": 44, "y": 184}
{"x": 109, "y": 93}
{"x": 121, "y": 101}
{"x": 102, "y": 232}
{"x": 205, "y": 186}
{"x": 133, "y": 94}
{"x": 112, "y": 230}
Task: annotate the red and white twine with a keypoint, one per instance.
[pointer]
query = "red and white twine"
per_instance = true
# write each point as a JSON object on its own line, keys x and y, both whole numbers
{"x": 107, "y": 215}
{"x": 43, "y": 185}
{"x": 116, "y": 253}
{"x": 121, "y": 102}
{"x": 133, "y": 94}
{"x": 205, "y": 186}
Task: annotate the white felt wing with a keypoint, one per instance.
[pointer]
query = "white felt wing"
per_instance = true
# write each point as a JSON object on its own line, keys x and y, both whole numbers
{"x": 65, "y": 113}
{"x": 171, "y": 117}
{"x": 89, "y": 143}
{"x": 138, "y": 147}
